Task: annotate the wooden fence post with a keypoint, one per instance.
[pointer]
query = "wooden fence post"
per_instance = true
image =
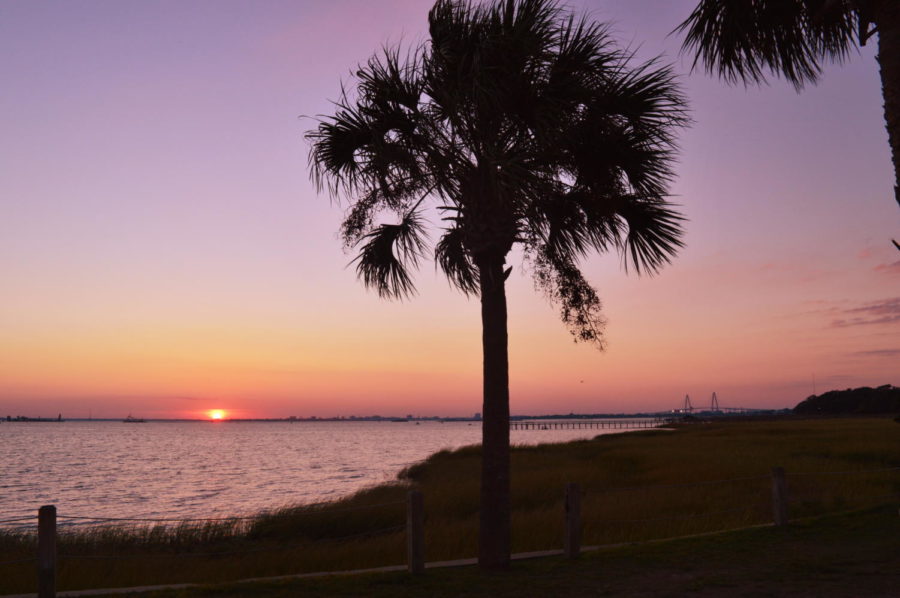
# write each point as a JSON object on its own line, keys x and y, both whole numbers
{"x": 779, "y": 497}
{"x": 572, "y": 544}
{"x": 46, "y": 559}
{"x": 415, "y": 532}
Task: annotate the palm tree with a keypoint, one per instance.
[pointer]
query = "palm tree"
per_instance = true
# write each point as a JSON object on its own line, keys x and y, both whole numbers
{"x": 740, "y": 39}
{"x": 522, "y": 125}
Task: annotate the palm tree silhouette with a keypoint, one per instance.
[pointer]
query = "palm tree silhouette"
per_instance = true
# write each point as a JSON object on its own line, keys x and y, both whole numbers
{"x": 524, "y": 126}
{"x": 740, "y": 39}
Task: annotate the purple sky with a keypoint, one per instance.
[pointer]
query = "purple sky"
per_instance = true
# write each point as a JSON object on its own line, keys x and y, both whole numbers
{"x": 163, "y": 252}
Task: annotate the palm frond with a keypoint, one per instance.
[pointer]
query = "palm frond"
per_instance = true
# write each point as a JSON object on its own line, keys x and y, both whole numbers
{"x": 388, "y": 81}
{"x": 451, "y": 256}
{"x": 335, "y": 145}
{"x": 646, "y": 96}
{"x": 625, "y": 136}
{"x": 654, "y": 234}
{"x": 739, "y": 40}
{"x": 388, "y": 253}
{"x": 603, "y": 228}
{"x": 584, "y": 51}
{"x": 371, "y": 141}
{"x": 561, "y": 224}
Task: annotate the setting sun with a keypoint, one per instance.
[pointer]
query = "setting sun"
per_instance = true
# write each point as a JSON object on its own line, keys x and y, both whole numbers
{"x": 216, "y": 414}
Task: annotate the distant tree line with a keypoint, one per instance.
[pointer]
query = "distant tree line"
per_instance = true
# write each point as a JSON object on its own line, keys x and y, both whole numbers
{"x": 884, "y": 399}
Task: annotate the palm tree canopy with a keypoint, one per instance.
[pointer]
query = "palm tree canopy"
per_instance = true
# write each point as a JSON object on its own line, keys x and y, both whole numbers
{"x": 522, "y": 125}
{"x": 741, "y": 39}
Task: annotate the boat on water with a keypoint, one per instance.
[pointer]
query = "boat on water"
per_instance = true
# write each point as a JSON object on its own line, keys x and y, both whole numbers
{"x": 133, "y": 420}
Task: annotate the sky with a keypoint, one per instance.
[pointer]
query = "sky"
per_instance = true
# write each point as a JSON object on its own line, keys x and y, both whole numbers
{"x": 163, "y": 251}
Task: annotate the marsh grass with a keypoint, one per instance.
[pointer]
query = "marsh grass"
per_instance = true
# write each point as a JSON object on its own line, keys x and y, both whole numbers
{"x": 636, "y": 486}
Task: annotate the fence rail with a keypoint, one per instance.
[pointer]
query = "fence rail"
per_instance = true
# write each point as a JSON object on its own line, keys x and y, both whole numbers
{"x": 47, "y": 557}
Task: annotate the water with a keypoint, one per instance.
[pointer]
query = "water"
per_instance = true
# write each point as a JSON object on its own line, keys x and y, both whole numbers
{"x": 203, "y": 469}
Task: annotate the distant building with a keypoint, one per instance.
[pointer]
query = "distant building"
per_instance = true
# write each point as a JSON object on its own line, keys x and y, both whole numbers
{"x": 477, "y": 416}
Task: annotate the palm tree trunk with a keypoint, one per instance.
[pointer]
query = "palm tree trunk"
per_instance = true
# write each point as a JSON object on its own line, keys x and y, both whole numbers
{"x": 887, "y": 20}
{"x": 494, "y": 530}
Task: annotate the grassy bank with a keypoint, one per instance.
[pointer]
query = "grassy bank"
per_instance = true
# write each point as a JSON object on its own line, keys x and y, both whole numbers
{"x": 637, "y": 486}
{"x": 838, "y": 556}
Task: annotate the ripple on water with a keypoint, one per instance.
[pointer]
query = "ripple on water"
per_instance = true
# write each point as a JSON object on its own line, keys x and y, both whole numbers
{"x": 191, "y": 470}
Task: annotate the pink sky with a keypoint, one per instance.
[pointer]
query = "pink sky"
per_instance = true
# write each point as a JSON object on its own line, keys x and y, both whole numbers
{"x": 162, "y": 251}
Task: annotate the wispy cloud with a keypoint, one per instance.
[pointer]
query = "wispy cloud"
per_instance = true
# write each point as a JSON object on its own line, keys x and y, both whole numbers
{"x": 878, "y": 353}
{"x": 883, "y": 256}
{"x": 892, "y": 269}
{"x": 886, "y": 311}
{"x": 881, "y": 251}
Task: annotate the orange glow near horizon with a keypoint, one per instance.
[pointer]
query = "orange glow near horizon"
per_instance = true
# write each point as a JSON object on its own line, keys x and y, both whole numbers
{"x": 256, "y": 306}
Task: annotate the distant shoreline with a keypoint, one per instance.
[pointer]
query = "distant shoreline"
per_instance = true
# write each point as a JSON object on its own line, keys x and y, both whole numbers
{"x": 378, "y": 418}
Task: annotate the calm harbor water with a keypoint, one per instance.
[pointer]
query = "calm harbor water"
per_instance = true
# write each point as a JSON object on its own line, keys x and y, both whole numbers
{"x": 204, "y": 469}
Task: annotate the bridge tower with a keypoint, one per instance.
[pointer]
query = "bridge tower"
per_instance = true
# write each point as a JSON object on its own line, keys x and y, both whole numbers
{"x": 688, "y": 408}
{"x": 714, "y": 406}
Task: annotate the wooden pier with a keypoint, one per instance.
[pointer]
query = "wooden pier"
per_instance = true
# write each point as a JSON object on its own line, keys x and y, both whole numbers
{"x": 600, "y": 424}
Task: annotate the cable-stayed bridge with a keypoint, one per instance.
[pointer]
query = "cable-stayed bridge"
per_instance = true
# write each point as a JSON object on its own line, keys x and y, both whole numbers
{"x": 689, "y": 409}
